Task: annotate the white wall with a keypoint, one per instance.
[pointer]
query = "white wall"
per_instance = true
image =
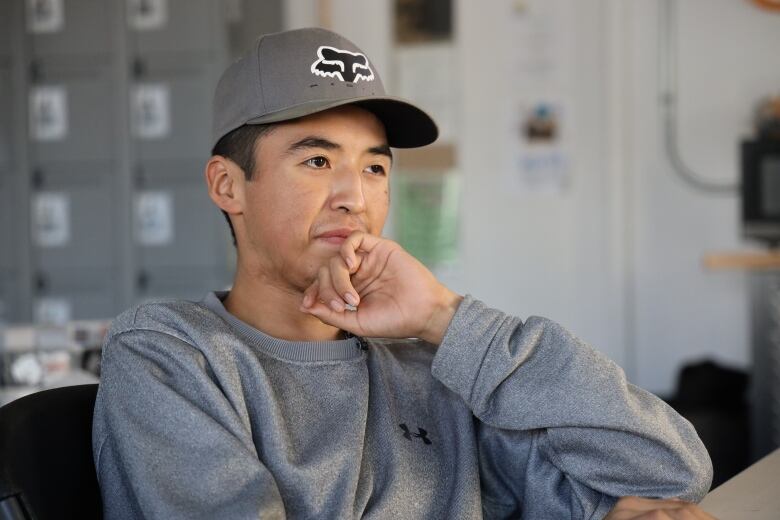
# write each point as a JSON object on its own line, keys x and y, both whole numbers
{"x": 616, "y": 257}
{"x": 548, "y": 255}
{"x": 728, "y": 59}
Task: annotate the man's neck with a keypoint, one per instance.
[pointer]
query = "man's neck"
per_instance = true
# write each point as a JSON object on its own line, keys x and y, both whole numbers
{"x": 274, "y": 310}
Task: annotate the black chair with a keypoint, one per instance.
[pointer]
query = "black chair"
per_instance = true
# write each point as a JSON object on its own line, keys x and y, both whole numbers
{"x": 46, "y": 468}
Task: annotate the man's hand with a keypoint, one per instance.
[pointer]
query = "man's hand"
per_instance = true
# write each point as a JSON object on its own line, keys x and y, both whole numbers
{"x": 635, "y": 508}
{"x": 394, "y": 294}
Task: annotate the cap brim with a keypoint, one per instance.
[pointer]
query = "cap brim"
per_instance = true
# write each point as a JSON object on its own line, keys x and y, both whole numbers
{"x": 406, "y": 125}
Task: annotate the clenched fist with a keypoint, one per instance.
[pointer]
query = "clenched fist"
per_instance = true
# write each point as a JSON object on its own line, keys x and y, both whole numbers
{"x": 393, "y": 295}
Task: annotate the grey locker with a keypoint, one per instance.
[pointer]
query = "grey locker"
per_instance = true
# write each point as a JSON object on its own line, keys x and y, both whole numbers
{"x": 172, "y": 26}
{"x": 191, "y": 284}
{"x": 83, "y": 28}
{"x": 6, "y": 114}
{"x": 85, "y": 237}
{"x": 198, "y": 229}
{"x": 180, "y": 96}
{"x": 89, "y": 124}
{"x": 6, "y": 222}
{"x": 6, "y": 16}
{"x": 87, "y": 292}
{"x": 10, "y": 311}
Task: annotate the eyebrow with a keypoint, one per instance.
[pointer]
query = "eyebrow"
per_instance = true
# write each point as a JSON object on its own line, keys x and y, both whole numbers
{"x": 314, "y": 141}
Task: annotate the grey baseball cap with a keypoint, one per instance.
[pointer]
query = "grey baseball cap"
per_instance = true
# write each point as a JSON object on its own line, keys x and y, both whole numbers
{"x": 295, "y": 73}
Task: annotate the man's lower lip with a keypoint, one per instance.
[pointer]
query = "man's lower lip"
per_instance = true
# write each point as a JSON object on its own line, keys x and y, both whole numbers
{"x": 333, "y": 240}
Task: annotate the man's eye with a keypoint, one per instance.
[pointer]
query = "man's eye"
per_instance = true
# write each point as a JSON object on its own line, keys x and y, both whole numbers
{"x": 376, "y": 169}
{"x": 317, "y": 162}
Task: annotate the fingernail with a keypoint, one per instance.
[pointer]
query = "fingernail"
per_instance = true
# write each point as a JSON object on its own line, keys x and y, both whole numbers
{"x": 307, "y": 300}
{"x": 350, "y": 263}
{"x": 350, "y": 299}
{"x": 336, "y": 305}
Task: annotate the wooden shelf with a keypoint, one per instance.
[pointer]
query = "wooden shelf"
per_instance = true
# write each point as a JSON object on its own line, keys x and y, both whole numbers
{"x": 758, "y": 261}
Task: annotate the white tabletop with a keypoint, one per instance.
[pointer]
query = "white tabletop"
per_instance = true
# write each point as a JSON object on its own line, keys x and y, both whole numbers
{"x": 753, "y": 494}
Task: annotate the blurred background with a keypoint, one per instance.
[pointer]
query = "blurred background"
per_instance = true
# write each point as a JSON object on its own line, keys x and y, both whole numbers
{"x": 611, "y": 165}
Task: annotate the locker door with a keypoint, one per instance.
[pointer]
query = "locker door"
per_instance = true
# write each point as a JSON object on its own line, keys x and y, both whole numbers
{"x": 73, "y": 294}
{"x": 196, "y": 222}
{"x": 8, "y": 311}
{"x": 8, "y": 277}
{"x": 171, "y": 26}
{"x": 181, "y": 238}
{"x": 171, "y": 110}
{"x": 72, "y": 216}
{"x": 6, "y": 220}
{"x": 68, "y": 28}
{"x": 7, "y": 308}
{"x": 6, "y": 15}
{"x": 71, "y": 114}
{"x": 5, "y": 112}
{"x": 188, "y": 284}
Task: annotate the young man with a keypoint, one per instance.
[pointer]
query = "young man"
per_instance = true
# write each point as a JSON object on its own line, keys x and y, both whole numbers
{"x": 274, "y": 400}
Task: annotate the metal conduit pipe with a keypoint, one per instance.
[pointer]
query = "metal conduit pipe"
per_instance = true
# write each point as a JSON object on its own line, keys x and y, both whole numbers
{"x": 667, "y": 35}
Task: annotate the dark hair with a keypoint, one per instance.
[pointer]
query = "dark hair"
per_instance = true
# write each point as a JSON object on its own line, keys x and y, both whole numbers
{"x": 239, "y": 146}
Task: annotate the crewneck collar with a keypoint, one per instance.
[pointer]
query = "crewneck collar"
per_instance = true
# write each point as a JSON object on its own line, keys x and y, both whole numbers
{"x": 336, "y": 350}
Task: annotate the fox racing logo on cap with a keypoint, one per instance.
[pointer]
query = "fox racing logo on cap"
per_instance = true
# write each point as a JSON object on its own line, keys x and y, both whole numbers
{"x": 345, "y": 65}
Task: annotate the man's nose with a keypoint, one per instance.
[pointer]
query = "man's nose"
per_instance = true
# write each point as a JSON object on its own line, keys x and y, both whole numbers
{"x": 347, "y": 190}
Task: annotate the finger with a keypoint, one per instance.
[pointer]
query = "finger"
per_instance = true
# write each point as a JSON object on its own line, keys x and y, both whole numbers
{"x": 638, "y": 508}
{"x": 339, "y": 273}
{"x": 369, "y": 257}
{"x": 682, "y": 513}
{"x": 310, "y": 294}
{"x": 359, "y": 241}
{"x": 342, "y": 320}
{"x": 689, "y": 511}
{"x": 327, "y": 294}
{"x": 648, "y": 504}
{"x": 355, "y": 248}
{"x": 350, "y": 255}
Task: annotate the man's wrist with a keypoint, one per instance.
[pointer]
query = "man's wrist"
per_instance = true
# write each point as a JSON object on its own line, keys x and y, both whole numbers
{"x": 442, "y": 316}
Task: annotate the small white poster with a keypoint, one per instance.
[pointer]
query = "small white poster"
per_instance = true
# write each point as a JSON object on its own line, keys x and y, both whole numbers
{"x": 53, "y": 311}
{"x": 154, "y": 218}
{"x": 538, "y": 117}
{"x": 147, "y": 15}
{"x": 48, "y": 113}
{"x": 150, "y": 105}
{"x": 45, "y": 16}
{"x": 51, "y": 219}
{"x": 540, "y": 156}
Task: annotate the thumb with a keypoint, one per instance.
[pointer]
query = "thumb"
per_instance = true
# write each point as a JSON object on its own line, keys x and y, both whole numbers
{"x": 345, "y": 320}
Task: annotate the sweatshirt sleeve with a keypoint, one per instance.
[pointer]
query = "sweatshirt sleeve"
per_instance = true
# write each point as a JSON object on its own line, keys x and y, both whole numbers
{"x": 560, "y": 427}
{"x": 167, "y": 443}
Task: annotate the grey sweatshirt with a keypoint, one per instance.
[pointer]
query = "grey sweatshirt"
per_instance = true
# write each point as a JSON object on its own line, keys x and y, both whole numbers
{"x": 199, "y": 415}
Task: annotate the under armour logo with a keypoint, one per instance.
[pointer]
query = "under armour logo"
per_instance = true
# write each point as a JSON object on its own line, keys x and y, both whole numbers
{"x": 422, "y": 435}
{"x": 344, "y": 65}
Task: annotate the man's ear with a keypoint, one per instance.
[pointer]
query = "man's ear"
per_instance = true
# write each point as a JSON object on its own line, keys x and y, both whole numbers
{"x": 225, "y": 182}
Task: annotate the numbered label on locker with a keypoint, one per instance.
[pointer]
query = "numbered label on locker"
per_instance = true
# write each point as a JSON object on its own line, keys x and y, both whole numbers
{"x": 154, "y": 218}
{"x": 48, "y": 113}
{"x": 45, "y": 16}
{"x": 51, "y": 219}
{"x": 147, "y": 15}
{"x": 151, "y": 107}
{"x": 53, "y": 310}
